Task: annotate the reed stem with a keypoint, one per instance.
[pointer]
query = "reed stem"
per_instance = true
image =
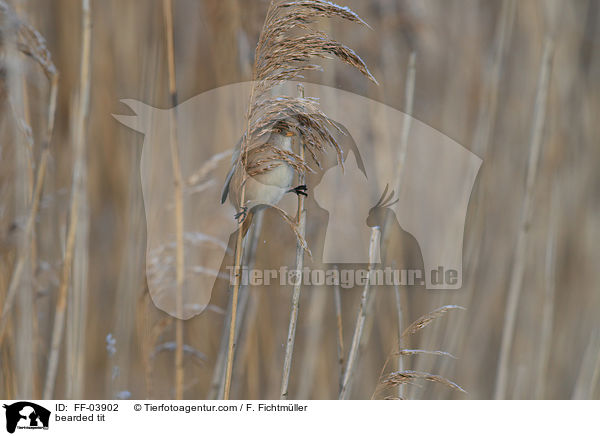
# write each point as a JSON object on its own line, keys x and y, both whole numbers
{"x": 301, "y": 224}
{"x": 516, "y": 280}
{"x": 400, "y": 342}
{"x": 360, "y": 318}
{"x": 234, "y": 304}
{"x": 340, "y": 332}
{"x": 178, "y": 193}
{"x": 77, "y": 191}
{"x": 35, "y": 202}
{"x": 218, "y": 381}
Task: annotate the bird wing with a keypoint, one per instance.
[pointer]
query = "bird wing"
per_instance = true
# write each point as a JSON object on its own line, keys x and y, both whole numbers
{"x": 234, "y": 159}
{"x": 227, "y": 182}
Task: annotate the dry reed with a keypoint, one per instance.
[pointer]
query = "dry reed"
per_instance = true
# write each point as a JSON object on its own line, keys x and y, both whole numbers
{"x": 32, "y": 44}
{"x": 409, "y": 376}
{"x": 400, "y": 378}
{"x": 178, "y": 194}
{"x": 77, "y": 192}
{"x": 281, "y": 57}
{"x": 360, "y": 318}
{"x": 340, "y": 332}
{"x": 547, "y": 322}
{"x": 295, "y": 306}
{"x": 516, "y": 280}
{"x": 481, "y": 93}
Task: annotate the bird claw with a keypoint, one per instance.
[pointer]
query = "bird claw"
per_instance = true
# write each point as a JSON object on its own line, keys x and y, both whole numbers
{"x": 241, "y": 216}
{"x": 300, "y": 190}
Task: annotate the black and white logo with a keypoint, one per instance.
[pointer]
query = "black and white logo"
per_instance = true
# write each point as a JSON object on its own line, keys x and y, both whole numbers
{"x": 26, "y": 415}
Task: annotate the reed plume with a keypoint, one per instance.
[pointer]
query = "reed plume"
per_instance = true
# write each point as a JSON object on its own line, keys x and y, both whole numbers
{"x": 397, "y": 379}
{"x": 282, "y": 55}
{"x": 15, "y": 32}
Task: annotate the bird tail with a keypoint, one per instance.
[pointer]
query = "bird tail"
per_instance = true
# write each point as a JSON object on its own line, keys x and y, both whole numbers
{"x": 247, "y": 223}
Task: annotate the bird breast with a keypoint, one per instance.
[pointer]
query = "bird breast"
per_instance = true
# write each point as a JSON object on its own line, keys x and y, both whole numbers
{"x": 268, "y": 187}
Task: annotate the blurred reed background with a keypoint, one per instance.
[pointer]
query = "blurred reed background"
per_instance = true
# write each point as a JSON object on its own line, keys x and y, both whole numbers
{"x": 516, "y": 82}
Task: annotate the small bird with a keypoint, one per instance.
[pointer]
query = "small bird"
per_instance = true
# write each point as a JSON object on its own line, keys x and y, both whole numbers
{"x": 273, "y": 179}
